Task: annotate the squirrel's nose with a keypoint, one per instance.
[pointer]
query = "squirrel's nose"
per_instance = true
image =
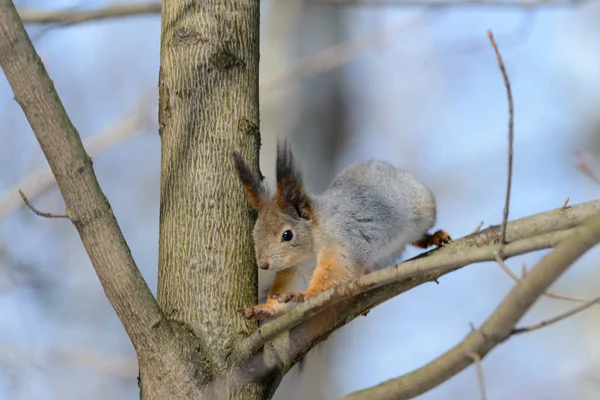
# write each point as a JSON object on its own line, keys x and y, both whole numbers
{"x": 264, "y": 265}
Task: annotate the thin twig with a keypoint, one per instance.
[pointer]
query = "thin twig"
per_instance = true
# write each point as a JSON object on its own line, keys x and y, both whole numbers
{"x": 566, "y": 203}
{"x": 510, "y": 136}
{"x": 558, "y": 318}
{"x": 505, "y": 268}
{"x": 547, "y": 293}
{"x": 35, "y": 183}
{"x": 38, "y": 212}
{"x": 70, "y": 17}
{"x": 480, "y": 378}
{"x": 588, "y": 164}
{"x": 478, "y": 227}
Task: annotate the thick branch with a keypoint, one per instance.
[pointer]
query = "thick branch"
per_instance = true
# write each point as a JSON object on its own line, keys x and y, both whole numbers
{"x": 315, "y": 319}
{"x": 498, "y": 327}
{"x": 86, "y": 205}
{"x": 76, "y": 17}
{"x": 438, "y": 262}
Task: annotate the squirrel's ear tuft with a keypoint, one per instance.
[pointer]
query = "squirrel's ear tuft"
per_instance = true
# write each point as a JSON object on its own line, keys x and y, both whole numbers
{"x": 286, "y": 170}
{"x": 291, "y": 196}
{"x": 252, "y": 182}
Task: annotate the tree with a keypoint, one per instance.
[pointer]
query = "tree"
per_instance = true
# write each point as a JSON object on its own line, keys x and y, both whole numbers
{"x": 190, "y": 342}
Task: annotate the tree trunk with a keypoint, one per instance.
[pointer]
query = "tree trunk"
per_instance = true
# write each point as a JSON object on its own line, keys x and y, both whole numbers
{"x": 208, "y": 99}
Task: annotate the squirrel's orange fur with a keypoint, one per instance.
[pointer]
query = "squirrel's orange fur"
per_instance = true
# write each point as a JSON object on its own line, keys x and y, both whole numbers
{"x": 362, "y": 222}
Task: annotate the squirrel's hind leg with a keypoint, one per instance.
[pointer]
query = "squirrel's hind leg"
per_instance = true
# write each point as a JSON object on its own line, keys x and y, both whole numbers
{"x": 438, "y": 239}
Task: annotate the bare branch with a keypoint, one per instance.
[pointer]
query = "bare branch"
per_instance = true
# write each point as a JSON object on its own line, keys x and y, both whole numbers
{"x": 588, "y": 164}
{"x": 480, "y": 377}
{"x": 558, "y": 318}
{"x": 511, "y": 118}
{"x": 86, "y": 204}
{"x": 70, "y": 17}
{"x": 314, "y": 64}
{"x": 478, "y": 227}
{"x": 37, "y": 182}
{"x": 38, "y": 212}
{"x": 549, "y": 294}
{"x": 526, "y": 235}
{"x": 498, "y": 327}
{"x": 76, "y": 17}
{"x": 438, "y": 263}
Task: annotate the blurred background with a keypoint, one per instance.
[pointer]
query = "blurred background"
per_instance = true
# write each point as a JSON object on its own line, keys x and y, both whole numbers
{"x": 346, "y": 81}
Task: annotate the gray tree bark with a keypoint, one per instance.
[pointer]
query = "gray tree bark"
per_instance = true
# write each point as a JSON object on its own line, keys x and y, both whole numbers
{"x": 208, "y": 90}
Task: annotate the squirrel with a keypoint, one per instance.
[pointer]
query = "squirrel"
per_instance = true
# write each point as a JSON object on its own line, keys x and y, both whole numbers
{"x": 362, "y": 222}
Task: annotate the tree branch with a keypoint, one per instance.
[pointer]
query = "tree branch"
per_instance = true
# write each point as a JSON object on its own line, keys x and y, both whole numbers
{"x": 70, "y": 17}
{"x": 588, "y": 164}
{"x": 557, "y": 318}
{"x": 37, "y": 182}
{"x": 38, "y": 212}
{"x": 498, "y": 327}
{"x": 511, "y": 136}
{"x": 77, "y": 17}
{"x": 338, "y": 306}
{"x": 480, "y": 377}
{"x": 86, "y": 205}
{"x": 549, "y": 294}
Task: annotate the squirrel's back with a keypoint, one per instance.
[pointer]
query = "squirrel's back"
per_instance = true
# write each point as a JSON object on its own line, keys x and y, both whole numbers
{"x": 376, "y": 208}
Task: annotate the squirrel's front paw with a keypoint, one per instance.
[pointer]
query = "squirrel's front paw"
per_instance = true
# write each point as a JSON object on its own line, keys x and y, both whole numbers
{"x": 298, "y": 297}
{"x": 260, "y": 312}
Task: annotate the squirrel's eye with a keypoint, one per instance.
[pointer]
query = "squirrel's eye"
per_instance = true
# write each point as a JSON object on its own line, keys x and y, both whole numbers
{"x": 287, "y": 236}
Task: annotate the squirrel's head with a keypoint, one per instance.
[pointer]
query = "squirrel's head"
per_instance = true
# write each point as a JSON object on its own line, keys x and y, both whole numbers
{"x": 283, "y": 233}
